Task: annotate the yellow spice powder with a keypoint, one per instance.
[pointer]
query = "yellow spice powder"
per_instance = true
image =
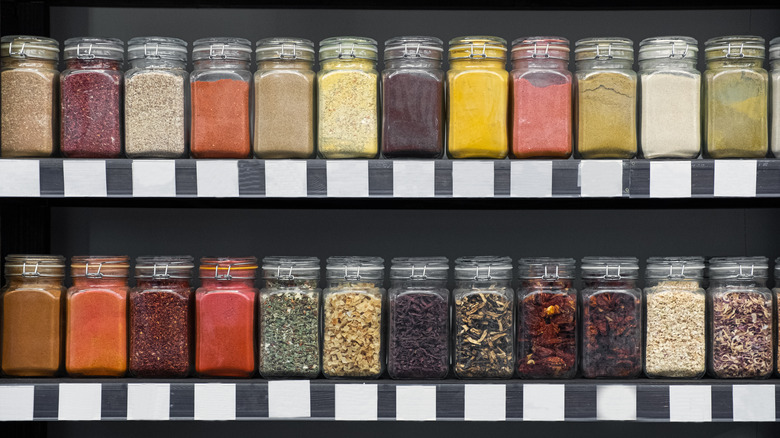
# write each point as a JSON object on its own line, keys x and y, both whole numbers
{"x": 606, "y": 115}
{"x": 736, "y": 113}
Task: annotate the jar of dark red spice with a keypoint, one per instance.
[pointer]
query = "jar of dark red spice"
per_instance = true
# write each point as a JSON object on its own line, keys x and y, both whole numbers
{"x": 546, "y": 318}
{"x": 611, "y": 318}
{"x": 161, "y": 317}
{"x": 91, "y": 97}
{"x": 418, "y": 347}
{"x": 413, "y": 98}
{"x": 225, "y": 317}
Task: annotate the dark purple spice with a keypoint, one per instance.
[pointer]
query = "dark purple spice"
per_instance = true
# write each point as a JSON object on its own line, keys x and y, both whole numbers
{"x": 418, "y": 336}
{"x": 412, "y": 107}
{"x": 611, "y": 335}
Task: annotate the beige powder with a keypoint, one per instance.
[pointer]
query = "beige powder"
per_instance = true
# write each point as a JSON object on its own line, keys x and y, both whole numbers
{"x": 29, "y": 126}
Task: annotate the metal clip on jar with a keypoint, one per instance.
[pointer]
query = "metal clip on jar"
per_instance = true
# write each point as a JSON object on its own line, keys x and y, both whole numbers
{"x": 419, "y": 318}
{"x": 28, "y": 102}
{"x": 155, "y": 90}
{"x": 736, "y": 91}
{"x": 353, "y": 324}
{"x": 606, "y": 98}
{"x": 31, "y": 304}
{"x": 774, "y": 62}
{"x": 741, "y": 324}
{"x": 90, "y": 98}
{"x": 289, "y": 318}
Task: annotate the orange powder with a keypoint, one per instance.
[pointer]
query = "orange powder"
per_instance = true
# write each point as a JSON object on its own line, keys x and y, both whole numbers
{"x": 220, "y": 119}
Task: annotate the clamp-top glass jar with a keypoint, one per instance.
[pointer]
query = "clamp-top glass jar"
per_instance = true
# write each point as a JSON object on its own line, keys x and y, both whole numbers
{"x": 774, "y": 62}
{"x": 606, "y": 98}
{"x": 736, "y": 88}
{"x": 90, "y": 98}
{"x": 413, "y": 98}
{"x": 347, "y": 98}
{"x": 155, "y": 90}
{"x": 776, "y": 292}
{"x": 670, "y": 97}
{"x": 284, "y": 98}
{"x": 220, "y": 85}
{"x": 29, "y": 82}
{"x": 477, "y": 98}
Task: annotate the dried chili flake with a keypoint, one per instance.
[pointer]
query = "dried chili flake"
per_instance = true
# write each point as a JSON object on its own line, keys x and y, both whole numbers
{"x": 546, "y": 333}
{"x": 611, "y": 337}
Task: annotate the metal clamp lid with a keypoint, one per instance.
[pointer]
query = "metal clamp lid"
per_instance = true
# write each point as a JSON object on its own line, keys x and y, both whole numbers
{"x": 287, "y": 49}
{"x": 228, "y": 268}
{"x": 100, "y": 266}
{"x": 604, "y": 49}
{"x": 221, "y": 48}
{"x": 735, "y": 47}
{"x": 419, "y": 268}
{"x": 478, "y": 48}
{"x": 546, "y": 268}
{"x": 355, "y": 268}
{"x": 157, "y": 48}
{"x": 483, "y": 268}
{"x": 291, "y": 268}
{"x": 540, "y": 47}
{"x": 32, "y": 47}
{"x": 89, "y": 48}
{"x": 610, "y": 268}
{"x": 348, "y": 47}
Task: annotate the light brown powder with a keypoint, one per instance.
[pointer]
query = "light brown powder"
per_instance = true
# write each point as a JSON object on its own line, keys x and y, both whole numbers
{"x": 28, "y": 112}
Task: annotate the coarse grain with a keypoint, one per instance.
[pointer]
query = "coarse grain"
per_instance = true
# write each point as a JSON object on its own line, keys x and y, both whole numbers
{"x": 606, "y": 115}
{"x": 28, "y": 99}
{"x": 671, "y": 114}
{"x": 154, "y": 115}
{"x": 352, "y": 332}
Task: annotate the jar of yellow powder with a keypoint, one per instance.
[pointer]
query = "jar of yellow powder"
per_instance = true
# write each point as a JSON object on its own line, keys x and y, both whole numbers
{"x": 347, "y": 98}
{"x": 478, "y": 93}
{"x": 774, "y": 61}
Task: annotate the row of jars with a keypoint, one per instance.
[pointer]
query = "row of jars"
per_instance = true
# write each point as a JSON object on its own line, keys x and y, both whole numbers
{"x": 161, "y": 328}
{"x": 539, "y": 110}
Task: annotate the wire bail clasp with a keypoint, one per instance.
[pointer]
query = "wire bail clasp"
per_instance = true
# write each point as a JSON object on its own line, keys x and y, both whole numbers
{"x": 148, "y": 53}
{"x": 225, "y": 276}
{"x": 614, "y": 276}
{"x": 607, "y": 55}
{"x": 217, "y": 51}
{"x": 488, "y": 277}
{"x": 351, "y": 53}
{"x": 84, "y": 52}
{"x": 548, "y": 276}
{"x": 678, "y": 55}
{"x": 536, "y": 54}
{"x": 33, "y": 273}
{"x": 482, "y": 55}
{"x": 423, "y": 276}
{"x": 408, "y": 54}
{"x": 161, "y": 276}
{"x": 355, "y": 277}
{"x": 742, "y": 275}
{"x": 284, "y": 277}
{"x": 740, "y": 54}
{"x": 680, "y": 275}
{"x": 286, "y": 55}
{"x": 96, "y": 274}
{"x": 20, "y": 53}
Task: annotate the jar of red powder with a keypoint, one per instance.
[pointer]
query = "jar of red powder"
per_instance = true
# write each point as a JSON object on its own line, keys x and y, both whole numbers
{"x": 541, "y": 98}
{"x": 225, "y": 317}
{"x": 220, "y": 90}
{"x": 90, "y": 98}
{"x": 96, "y": 316}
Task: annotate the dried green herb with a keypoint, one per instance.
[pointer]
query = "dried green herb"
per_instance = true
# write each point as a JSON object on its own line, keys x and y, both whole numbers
{"x": 483, "y": 335}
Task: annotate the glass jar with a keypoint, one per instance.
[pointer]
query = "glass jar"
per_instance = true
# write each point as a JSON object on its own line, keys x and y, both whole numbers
{"x": 670, "y": 97}
{"x": 740, "y": 311}
{"x": 353, "y": 318}
{"x": 675, "y": 340}
{"x": 225, "y": 317}
{"x": 541, "y": 98}
{"x": 413, "y": 98}
{"x": 418, "y": 347}
{"x": 29, "y": 82}
{"x": 546, "y": 319}
{"x": 606, "y": 98}
{"x": 477, "y": 98}
{"x": 776, "y": 292}
{"x": 161, "y": 317}
{"x": 774, "y": 62}
{"x": 90, "y": 98}
{"x": 96, "y": 316}
{"x": 31, "y": 309}
{"x": 284, "y": 98}
{"x": 219, "y": 86}
{"x": 483, "y": 321}
{"x": 611, "y": 318}
{"x": 155, "y": 90}
{"x": 735, "y": 97}
{"x": 289, "y": 318}
{"x": 347, "y": 98}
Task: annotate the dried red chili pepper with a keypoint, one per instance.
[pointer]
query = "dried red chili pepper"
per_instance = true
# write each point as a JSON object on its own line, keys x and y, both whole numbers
{"x": 611, "y": 334}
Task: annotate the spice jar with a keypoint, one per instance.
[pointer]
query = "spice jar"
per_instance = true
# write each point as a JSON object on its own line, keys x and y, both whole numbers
{"x": 413, "y": 98}
{"x": 611, "y": 318}
{"x": 155, "y": 90}
{"x": 483, "y": 325}
{"x": 28, "y": 88}
{"x": 161, "y": 317}
{"x": 31, "y": 308}
{"x": 289, "y": 318}
{"x": 219, "y": 86}
{"x": 477, "y": 98}
{"x": 225, "y": 317}
{"x": 670, "y": 97}
{"x": 546, "y": 318}
{"x": 90, "y": 98}
{"x": 347, "y": 98}
{"x": 353, "y": 326}
{"x": 740, "y": 311}
{"x": 284, "y": 98}
{"x": 96, "y": 316}
{"x": 735, "y": 97}
{"x": 776, "y": 292}
{"x": 605, "y": 98}
{"x": 675, "y": 341}
{"x": 418, "y": 298}
{"x": 541, "y": 98}
{"x": 774, "y": 61}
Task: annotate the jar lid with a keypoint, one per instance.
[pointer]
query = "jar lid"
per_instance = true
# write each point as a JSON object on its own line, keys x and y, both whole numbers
{"x": 34, "y": 265}
{"x": 740, "y": 268}
{"x": 173, "y": 49}
{"x": 675, "y": 267}
{"x": 774, "y": 49}
{"x": 287, "y": 49}
{"x": 348, "y": 47}
{"x": 26, "y": 46}
{"x": 483, "y": 268}
{"x": 94, "y": 48}
{"x": 355, "y": 268}
{"x": 672, "y": 47}
{"x": 164, "y": 267}
{"x": 414, "y": 47}
{"x": 291, "y": 268}
{"x": 777, "y": 270}
{"x": 477, "y": 47}
{"x": 237, "y": 49}
{"x": 735, "y": 47}
{"x": 419, "y": 268}
{"x": 546, "y": 268}
{"x": 100, "y": 266}
{"x": 604, "y": 49}
{"x": 228, "y": 268}
{"x": 610, "y": 268}
{"x": 543, "y": 47}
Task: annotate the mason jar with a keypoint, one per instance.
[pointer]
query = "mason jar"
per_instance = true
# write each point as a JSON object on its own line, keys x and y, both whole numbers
{"x": 670, "y": 97}
{"x": 605, "y": 100}
{"x": 29, "y": 88}
{"x": 774, "y": 62}
{"x": 776, "y": 292}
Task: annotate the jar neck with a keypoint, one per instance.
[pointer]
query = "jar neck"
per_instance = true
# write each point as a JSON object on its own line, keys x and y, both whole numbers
{"x": 15, "y": 282}
{"x": 621, "y": 283}
{"x": 349, "y": 284}
{"x": 686, "y": 283}
{"x": 162, "y": 64}
{"x": 221, "y": 64}
{"x": 284, "y": 64}
{"x": 539, "y": 283}
{"x": 416, "y": 63}
{"x": 348, "y": 64}
{"x": 483, "y": 284}
{"x": 775, "y": 64}
{"x": 298, "y": 283}
{"x": 539, "y": 63}
{"x": 407, "y": 283}
{"x": 754, "y": 63}
{"x": 93, "y": 64}
{"x": 605, "y": 64}
{"x": 169, "y": 283}
{"x": 668, "y": 63}
{"x": 755, "y": 282}
{"x": 83, "y": 282}
{"x": 475, "y": 63}
{"x": 240, "y": 283}
{"x": 9, "y": 62}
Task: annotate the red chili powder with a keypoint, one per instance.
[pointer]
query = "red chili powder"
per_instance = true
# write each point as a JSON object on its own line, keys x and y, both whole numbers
{"x": 225, "y": 324}
{"x": 541, "y": 125}
{"x": 220, "y": 119}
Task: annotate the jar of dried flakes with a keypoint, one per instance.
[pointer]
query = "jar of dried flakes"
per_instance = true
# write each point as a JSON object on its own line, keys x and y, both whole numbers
{"x": 776, "y": 292}
{"x": 774, "y": 62}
